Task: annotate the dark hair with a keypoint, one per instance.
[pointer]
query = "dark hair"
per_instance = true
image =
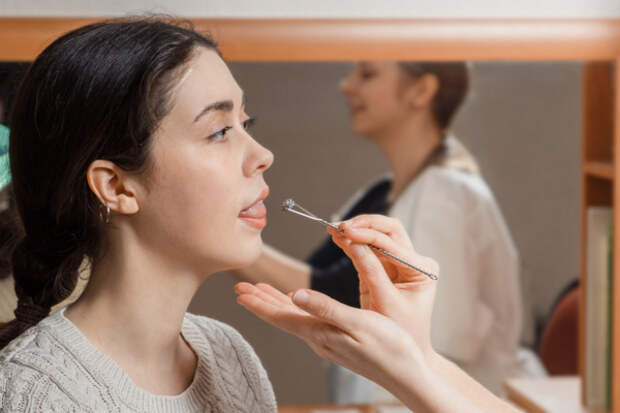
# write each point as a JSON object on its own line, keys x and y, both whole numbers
{"x": 453, "y": 78}
{"x": 98, "y": 92}
{"x": 10, "y": 73}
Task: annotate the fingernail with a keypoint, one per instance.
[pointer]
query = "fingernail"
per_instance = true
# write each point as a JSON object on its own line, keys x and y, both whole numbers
{"x": 301, "y": 297}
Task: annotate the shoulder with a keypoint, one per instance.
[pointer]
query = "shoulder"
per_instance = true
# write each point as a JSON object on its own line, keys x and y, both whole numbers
{"x": 455, "y": 184}
{"x": 25, "y": 389}
{"x": 445, "y": 191}
{"x": 28, "y": 376}
{"x": 465, "y": 201}
{"x": 216, "y": 332}
{"x": 28, "y": 346}
{"x": 449, "y": 199}
{"x": 225, "y": 342}
{"x": 243, "y": 377}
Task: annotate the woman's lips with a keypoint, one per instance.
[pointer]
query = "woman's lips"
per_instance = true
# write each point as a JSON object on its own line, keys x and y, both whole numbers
{"x": 355, "y": 110}
{"x": 255, "y": 216}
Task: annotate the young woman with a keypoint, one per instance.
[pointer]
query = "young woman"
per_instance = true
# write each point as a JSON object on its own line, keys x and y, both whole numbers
{"x": 447, "y": 209}
{"x": 129, "y": 149}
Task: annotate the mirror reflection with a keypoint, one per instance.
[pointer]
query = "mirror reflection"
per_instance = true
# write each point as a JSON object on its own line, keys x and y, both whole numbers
{"x": 480, "y": 161}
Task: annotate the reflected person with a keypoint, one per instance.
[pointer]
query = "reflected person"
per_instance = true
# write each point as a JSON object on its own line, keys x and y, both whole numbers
{"x": 436, "y": 191}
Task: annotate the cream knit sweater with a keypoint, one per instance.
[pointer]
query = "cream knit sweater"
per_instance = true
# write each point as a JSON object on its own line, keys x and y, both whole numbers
{"x": 52, "y": 367}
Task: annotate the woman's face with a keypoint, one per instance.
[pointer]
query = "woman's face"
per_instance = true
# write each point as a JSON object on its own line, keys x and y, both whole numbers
{"x": 202, "y": 201}
{"x": 372, "y": 92}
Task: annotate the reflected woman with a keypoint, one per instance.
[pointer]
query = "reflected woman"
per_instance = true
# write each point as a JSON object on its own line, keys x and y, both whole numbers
{"x": 446, "y": 207}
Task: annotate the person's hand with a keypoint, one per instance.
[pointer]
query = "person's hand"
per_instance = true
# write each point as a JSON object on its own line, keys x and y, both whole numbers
{"x": 392, "y": 330}
{"x": 361, "y": 340}
{"x": 408, "y": 301}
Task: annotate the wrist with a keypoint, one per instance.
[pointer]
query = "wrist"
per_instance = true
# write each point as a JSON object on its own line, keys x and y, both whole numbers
{"x": 419, "y": 386}
{"x": 433, "y": 359}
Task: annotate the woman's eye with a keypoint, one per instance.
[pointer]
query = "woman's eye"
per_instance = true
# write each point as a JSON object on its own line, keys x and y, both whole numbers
{"x": 248, "y": 123}
{"x": 219, "y": 135}
{"x": 366, "y": 75}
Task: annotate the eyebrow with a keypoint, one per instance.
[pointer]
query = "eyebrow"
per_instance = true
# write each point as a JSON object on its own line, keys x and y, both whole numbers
{"x": 225, "y": 105}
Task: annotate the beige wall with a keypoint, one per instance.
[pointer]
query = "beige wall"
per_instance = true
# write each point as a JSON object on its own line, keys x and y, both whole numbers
{"x": 322, "y": 8}
{"x": 523, "y": 123}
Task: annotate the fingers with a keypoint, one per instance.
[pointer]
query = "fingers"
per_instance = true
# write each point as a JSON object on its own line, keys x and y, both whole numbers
{"x": 370, "y": 270}
{"x": 388, "y": 234}
{"x": 282, "y": 315}
{"x": 392, "y": 227}
{"x": 327, "y": 309}
{"x": 324, "y": 327}
{"x": 366, "y": 236}
{"x": 274, "y": 293}
{"x": 262, "y": 293}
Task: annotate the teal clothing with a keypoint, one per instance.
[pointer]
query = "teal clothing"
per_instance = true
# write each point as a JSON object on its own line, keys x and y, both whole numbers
{"x": 5, "y": 165}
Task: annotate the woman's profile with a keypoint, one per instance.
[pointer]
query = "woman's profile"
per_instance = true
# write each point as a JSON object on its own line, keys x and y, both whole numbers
{"x": 129, "y": 149}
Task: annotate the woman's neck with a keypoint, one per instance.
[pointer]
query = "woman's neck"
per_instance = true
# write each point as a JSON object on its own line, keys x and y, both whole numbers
{"x": 407, "y": 150}
{"x": 133, "y": 309}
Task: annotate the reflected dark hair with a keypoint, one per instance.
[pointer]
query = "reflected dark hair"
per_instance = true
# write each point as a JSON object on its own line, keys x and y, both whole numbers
{"x": 98, "y": 92}
{"x": 453, "y": 78}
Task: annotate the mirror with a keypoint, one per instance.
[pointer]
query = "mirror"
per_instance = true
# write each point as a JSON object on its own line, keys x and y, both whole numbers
{"x": 521, "y": 121}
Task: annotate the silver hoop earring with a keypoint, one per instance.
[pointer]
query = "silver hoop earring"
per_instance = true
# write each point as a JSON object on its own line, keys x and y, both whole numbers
{"x": 105, "y": 216}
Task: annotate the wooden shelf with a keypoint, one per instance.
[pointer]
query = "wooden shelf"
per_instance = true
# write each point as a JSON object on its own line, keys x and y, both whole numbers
{"x": 603, "y": 170}
{"x": 559, "y": 394}
{"x": 601, "y": 134}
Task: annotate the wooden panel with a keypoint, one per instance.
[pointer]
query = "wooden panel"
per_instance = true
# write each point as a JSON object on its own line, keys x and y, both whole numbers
{"x": 355, "y": 39}
{"x": 597, "y": 111}
{"x": 595, "y": 192}
{"x": 602, "y": 170}
{"x": 597, "y": 165}
{"x": 598, "y": 192}
{"x": 316, "y": 408}
{"x": 559, "y": 394}
{"x": 615, "y": 350}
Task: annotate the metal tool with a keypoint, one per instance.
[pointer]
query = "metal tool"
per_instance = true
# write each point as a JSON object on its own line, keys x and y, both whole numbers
{"x": 293, "y": 207}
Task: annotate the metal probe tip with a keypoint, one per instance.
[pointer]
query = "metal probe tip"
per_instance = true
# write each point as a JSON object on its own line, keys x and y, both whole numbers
{"x": 288, "y": 204}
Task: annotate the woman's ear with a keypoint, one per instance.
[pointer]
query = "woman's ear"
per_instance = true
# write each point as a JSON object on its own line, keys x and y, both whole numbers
{"x": 422, "y": 92}
{"x": 114, "y": 188}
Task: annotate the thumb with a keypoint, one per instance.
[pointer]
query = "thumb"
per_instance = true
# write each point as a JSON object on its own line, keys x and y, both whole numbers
{"x": 327, "y": 309}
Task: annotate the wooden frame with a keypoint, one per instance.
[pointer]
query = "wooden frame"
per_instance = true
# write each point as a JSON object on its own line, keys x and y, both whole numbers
{"x": 367, "y": 39}
{"x": 355, "y": 39}
{"x": 599, "y": 136}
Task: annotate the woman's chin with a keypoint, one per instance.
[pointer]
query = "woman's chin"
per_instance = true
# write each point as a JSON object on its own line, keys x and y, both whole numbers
{"x": 247, "y": 256}
{"x": 360, "y": 129}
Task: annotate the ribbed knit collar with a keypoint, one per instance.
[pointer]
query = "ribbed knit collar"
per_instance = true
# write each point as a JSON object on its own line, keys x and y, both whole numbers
{"x": 106, "y": 371}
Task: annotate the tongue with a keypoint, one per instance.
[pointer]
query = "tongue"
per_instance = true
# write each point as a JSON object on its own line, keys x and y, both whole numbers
{"x": 256, "y": 210}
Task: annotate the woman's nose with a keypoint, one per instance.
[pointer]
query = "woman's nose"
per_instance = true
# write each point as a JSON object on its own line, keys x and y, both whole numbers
{"x": 346, "y": 85}
{"x": 260, "y": 160}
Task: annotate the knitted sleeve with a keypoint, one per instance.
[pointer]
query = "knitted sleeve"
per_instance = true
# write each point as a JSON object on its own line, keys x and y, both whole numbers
{"x": 24, "y": 390}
